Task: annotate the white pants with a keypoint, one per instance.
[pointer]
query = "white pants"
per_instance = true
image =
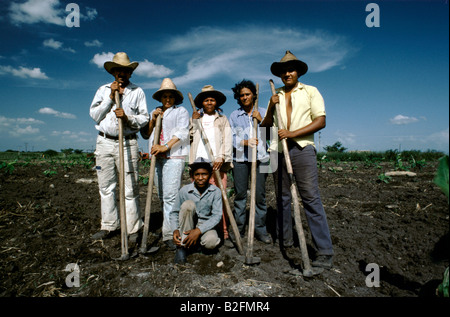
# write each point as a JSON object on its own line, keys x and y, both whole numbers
{"x": 107, "y": 161}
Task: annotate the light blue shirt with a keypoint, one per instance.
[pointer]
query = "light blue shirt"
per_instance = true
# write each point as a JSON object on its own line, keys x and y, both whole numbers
{"x": 208, "y": 206}
{"x": 242, "y": 128}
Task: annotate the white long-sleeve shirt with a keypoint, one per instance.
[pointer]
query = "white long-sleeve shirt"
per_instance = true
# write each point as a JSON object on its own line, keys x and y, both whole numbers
{"x": 175, "y": 123}
{"x": 133, "y": 103}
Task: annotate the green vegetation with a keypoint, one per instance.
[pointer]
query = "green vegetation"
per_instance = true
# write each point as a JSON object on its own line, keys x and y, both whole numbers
{"x": 67, "y": 158}
{"x": 442, "y": 181}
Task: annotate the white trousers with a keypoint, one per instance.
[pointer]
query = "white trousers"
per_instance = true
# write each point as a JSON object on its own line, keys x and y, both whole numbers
{"x": 107, "y": 165}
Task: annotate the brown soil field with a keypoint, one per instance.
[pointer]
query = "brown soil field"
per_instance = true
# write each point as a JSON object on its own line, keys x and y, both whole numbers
{"x": 402, "y": 226}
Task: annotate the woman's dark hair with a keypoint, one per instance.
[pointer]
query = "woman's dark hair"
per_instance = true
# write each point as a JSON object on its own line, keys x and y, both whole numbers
{"x": 244, "y": 84}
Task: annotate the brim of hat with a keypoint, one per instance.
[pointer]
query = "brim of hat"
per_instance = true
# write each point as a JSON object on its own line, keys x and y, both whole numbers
{"x": 300, "y": 66}
{"x": 111, "y": 65}
{"x": 220, "y": 98}
{"x": 178, "y": 95}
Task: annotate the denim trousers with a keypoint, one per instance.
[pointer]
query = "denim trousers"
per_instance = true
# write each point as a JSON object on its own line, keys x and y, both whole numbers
{"x": 304, "y": 165}
{"x": 242, "y": 175}
{"x": 168, "y": 176}
{"x": 107, "y": 166}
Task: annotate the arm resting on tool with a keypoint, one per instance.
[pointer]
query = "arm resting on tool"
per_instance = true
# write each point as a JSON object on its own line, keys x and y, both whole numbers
{"x": 317, "y": 124}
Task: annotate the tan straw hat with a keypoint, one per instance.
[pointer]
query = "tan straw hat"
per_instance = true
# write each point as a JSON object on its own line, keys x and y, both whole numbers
{"x": 121, "y": 59}
{"x": 209, "y": 91}
{"x": 168, "y": 85}
{"x": 289, "y": 59}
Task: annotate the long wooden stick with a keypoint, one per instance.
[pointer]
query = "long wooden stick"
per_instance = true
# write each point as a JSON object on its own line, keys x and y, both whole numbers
{"x": 148, "y": 205}
{"x": 294, "y": 193}
{"x": 218, "y": 180}
{"x": 123, "y": 216}
{"x": 251, "y": 226}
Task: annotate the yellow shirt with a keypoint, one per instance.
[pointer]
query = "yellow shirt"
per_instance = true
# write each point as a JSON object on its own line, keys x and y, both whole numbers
{"x": 307, "y": 105}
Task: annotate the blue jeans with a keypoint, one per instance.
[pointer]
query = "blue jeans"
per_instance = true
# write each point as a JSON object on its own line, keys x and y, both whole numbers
{"x": 241, "y": 175}
{"x": 304, "y": 165}
{"x": 168, "y": 176}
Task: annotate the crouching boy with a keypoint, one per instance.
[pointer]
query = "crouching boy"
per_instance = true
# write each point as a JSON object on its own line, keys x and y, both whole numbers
{"x": 196, "y": 211}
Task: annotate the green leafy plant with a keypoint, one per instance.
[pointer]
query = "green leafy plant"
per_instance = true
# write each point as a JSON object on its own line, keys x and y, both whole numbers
{"x": 8, "y": 168}
{"x": 384, "y": 178}
{"x": 441, "y": 180}
{"x": 50, "y": 172}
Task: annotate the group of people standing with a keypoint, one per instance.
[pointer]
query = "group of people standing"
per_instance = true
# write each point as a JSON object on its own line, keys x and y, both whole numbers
{"x": 195, "y": 213}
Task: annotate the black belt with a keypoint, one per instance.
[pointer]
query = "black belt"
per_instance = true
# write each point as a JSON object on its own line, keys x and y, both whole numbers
{"x": 116, "y": 138}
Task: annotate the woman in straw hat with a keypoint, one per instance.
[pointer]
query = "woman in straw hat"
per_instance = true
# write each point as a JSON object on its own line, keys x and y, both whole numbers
{"x": 217, "y": 129}
{"x": 303, "y": 113}
{"x": 106, "y": 114}
{"x": 171, "y": 151}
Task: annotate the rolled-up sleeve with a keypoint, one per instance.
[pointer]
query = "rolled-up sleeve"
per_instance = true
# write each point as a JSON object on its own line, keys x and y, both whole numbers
{"x": 317, "y": 103}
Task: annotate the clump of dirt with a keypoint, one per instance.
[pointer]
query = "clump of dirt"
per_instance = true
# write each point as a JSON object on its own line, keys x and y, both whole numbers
{"x": 46, "y": 221}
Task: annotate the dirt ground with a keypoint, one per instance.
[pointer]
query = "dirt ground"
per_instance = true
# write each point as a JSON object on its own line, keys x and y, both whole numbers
{"x": 402, "y": 226}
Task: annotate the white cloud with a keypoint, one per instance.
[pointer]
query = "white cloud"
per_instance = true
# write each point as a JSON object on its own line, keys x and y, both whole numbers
{"x": 346, "y": 138}
{"x": 145, "y": 68}
{"x": 91, "y": 14}
{"x": 28, "y": 130}
{"x": 401, "y": 119}
{"x": 93, "y": 43}
{"x": 214, "y": 51}
{"x": 100, "y": 59}
{"x": 53, "y": 112}
{"x": 149, "y": 69}
{"x": 72, "y": 136}
{"x": 9, "y": 122}
{"x": 44, "y": 11}
{"x": 35, "y": 11}
{"x": 23, "y": 72}
{"x": 51, "y": 43}
{"x": 441, "y": 137}
{"x": 17, "y": 127}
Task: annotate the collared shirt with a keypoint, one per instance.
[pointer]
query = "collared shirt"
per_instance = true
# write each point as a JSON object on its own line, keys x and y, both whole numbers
{"x": 175, "y": 123}
{"x": 133, "y": 103}
{"x": 242, "y": 128}
{"x": 208, "y": 206}
{"x": 307, "y": 105}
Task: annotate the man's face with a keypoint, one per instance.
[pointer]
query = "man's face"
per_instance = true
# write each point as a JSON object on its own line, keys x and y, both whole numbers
{"x": 289, "y": 76}
{"x": 122, "y": 75}
{"x": 201, "y": 177}
{"x": 246, "y": 97}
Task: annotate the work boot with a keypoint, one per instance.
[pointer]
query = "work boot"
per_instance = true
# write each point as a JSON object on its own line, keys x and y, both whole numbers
{"x": 170, "y": 245}
{"x": 324, "y": 261}
{"x": 134, "y": 237}
{"x": 102, "y": 234}
{"x": 265, "y": 238}
{"x": 180, "y": 256}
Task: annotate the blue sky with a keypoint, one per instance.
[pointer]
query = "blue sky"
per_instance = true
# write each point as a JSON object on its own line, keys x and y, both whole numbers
{"x": 384, "y": 87}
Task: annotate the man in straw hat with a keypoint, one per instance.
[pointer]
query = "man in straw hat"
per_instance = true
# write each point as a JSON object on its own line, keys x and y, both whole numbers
{"x": 303, "y": 113}
{"x": 171, "y": 151}
{"x": 106, "y": 114}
